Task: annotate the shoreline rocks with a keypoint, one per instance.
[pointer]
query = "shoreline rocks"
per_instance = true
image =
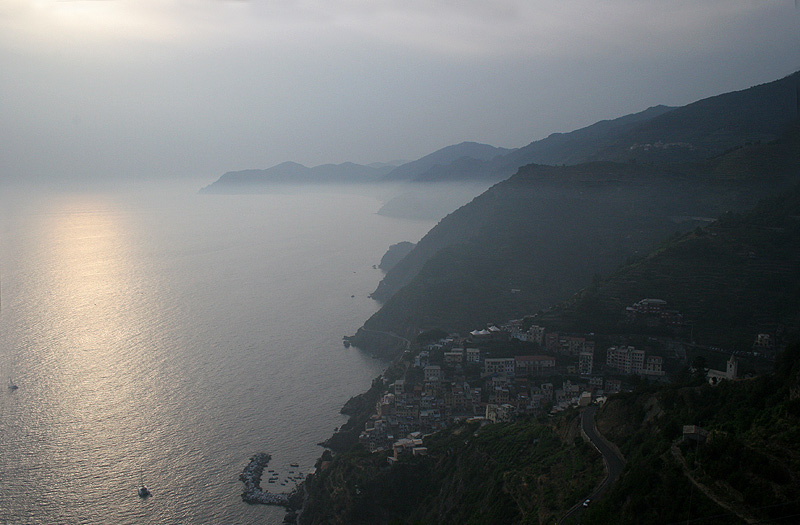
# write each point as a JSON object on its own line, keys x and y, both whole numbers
{"x": 253, "y": 493}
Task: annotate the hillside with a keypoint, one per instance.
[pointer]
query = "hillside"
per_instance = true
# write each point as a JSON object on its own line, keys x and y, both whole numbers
{"x": 703, "y": 129}
{"x": 430, "y": 168}
{"x": 747, "y": 470}
{"x": 732, "y": 280}
{"x": 248, "y": 181}
{"x": 539, "y": 237}
{"x": 580, "y": 145}
{"x": 448, "y": 164}
{"x": 727, "y": 125}
{"x": 660, "y": 134}
{"x": 529, "y": 472}
{"x": 547, "y": 231}
{"x": 534, "y": 470}
{"x": 526, "y": 221}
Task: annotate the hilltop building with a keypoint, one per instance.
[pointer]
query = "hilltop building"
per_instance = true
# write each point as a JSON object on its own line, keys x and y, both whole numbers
{"x": 653, "y": 312}
{"x": 731, "y": 372}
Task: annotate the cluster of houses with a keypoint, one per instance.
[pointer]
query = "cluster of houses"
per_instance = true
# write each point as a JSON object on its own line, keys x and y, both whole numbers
{"x": 459, "y": 378}
{"x": 624, "y": 359}
{"x": 451, "y": 379}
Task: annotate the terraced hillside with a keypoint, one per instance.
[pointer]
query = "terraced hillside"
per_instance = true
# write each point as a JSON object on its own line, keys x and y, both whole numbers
{"x": 732, "y": 279}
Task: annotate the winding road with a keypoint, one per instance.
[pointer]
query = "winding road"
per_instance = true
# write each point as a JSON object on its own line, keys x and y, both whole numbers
{"x": 612, "y": 459}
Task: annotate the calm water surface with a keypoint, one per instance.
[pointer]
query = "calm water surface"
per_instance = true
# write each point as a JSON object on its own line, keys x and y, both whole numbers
{"x": 162, "y": 336}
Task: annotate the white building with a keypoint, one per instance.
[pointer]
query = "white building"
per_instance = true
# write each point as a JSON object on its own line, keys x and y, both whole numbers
{"x": 730, "y": 373}
{"x": 626, "y": 359}
{"x": 473, "y": 355}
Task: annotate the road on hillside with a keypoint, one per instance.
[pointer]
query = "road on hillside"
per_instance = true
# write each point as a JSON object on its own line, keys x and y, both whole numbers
{"x": 613, "y": 461}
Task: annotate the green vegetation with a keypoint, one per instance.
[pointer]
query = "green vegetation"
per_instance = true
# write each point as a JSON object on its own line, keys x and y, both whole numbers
{"x": 523, "y": 472}
{"x": 747, "y": 469}
{"x": 733, "y": 279}
{"x": 547, "y": 232}
{"x": 550, "y": 231}
{"x": 539, "y": 237}
{"x": 395, "y": 254}
{"x": 533, "y": 471}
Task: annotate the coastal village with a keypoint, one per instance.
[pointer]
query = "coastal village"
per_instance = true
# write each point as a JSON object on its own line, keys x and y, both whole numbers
{"x": 521, "y": 368}
{"x": 500, "y": 373}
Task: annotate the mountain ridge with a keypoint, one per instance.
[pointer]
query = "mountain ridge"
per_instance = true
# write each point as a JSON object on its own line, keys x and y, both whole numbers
{"x": 528, "y": 233}
{"x": 294, "y": 173}
{"x": 658, "y": 134}
{"x": 784, "y": 109}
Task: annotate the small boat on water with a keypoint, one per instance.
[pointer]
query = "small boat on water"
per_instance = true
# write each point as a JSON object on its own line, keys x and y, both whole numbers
{"x": 143, "y": 491}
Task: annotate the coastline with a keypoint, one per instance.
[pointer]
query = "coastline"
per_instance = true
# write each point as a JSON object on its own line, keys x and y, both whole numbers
{"x": 359, "y": 408}
{"x": 254, "y": 494}
{"x": 385, "y": 345}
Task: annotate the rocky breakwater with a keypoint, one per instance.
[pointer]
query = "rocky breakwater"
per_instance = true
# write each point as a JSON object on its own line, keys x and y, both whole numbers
{"x": 253, "y": 494}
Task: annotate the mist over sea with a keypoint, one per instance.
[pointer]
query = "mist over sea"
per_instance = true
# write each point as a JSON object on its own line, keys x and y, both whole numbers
{"x": 161, "y": 336}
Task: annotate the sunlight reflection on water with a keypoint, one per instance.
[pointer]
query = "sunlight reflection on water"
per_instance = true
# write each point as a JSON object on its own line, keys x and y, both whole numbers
{"x": 166, "y": 338}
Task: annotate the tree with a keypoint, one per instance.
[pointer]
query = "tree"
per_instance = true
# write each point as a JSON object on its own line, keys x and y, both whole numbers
{"x": 699, "y": 368}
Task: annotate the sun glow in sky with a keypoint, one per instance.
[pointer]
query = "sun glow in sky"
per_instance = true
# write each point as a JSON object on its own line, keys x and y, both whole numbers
{"x": 68, "y": 22}
{"x": 149, "y": 88}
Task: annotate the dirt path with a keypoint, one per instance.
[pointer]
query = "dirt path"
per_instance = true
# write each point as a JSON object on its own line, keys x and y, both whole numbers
{"x": 676, "y": 452}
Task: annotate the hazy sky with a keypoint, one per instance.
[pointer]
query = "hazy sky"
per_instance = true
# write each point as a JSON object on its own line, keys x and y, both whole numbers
{"x": 150, "y": 88}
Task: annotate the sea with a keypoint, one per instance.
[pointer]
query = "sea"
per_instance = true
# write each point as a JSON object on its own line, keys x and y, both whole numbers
{"x": 162, "y": 337}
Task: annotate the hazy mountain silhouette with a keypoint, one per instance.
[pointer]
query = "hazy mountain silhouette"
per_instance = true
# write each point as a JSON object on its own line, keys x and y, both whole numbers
{"x": 547, "y": 230}
{"x": 436, "y": 166}
{"x": 657, "y": 135}
{"x": 247, "y": 181}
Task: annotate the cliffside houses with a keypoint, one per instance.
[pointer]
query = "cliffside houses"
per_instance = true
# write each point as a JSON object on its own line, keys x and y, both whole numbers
{"x": 490, "y": 376}
{"x": 455, "y": 378}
